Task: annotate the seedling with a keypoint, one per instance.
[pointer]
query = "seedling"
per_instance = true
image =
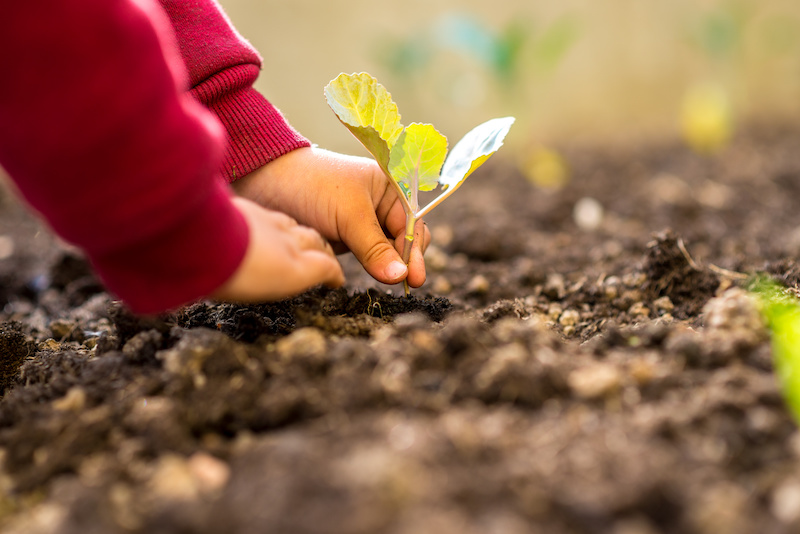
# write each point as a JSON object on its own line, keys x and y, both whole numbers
{"x": 412, "y": 157}
{"x": 782, "y": 313}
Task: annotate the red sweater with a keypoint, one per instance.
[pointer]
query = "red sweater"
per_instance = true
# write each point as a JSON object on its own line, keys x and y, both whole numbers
{"x": 100, "y": 135}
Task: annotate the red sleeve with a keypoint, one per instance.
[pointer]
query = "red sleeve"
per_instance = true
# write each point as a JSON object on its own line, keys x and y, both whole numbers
{"x": 100, "y": 138}
{"x": 222, "y": 68}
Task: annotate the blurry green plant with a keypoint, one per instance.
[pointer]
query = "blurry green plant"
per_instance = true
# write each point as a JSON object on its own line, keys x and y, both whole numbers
{"x": 510, "y": 56}
{"x": 707, "y": 115}
{"x": 726, "y": 37}
{"x": 718, "y": 33}
{"x": 505, "y": 54}
{"x": 412, "y": 157}
{"x": 501, "y": 51}
{"x": 781, "y": 309}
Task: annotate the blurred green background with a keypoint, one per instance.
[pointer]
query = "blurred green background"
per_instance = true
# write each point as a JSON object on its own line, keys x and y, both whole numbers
{"x": 576, "y": 69}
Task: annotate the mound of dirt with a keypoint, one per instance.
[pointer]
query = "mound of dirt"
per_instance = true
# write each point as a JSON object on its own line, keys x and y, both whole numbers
{"x": 548, "y": 378}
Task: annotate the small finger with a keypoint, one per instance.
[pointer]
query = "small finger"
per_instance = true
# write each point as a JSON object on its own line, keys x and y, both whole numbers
{"x": 282, "y": 220}
{"x": 310, "y": 239}
{"x": 422, "y": 236}
{"x": 395, "y": 222}
{"x": 327, "y": 268}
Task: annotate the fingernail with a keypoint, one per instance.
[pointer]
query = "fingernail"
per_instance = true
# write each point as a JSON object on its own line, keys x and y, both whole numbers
{"x": 396, "y": 270}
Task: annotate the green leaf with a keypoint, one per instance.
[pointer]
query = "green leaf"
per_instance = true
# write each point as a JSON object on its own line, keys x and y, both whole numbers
{"x": 366, "y": 108}
{"x": 417, "y": 157}
{"x": 554, "y": 43}
{"x": 473, "y": 149}
{"x": 782, "y": 312}
{"x": 509, "y": 49}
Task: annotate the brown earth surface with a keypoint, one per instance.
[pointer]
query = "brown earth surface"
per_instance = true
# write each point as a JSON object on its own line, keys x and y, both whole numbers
{"x": 550, "y": 377}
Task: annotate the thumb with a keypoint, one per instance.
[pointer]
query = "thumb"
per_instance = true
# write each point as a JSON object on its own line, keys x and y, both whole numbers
{"x": 376, "y": 254}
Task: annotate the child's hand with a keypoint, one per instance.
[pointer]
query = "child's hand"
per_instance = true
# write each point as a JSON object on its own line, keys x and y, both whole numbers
{"x": 282, "y": 260}
{"x": 349, "y": 201}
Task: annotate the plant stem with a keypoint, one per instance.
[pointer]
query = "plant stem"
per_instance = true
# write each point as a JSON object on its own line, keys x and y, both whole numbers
{"x": 411, "y": 221}
{"x": 408, "y": 242}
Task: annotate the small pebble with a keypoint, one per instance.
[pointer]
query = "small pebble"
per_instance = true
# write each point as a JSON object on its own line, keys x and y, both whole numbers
{"x": 722, "y": 507}
{"x": 663, "y": 304}
{"x": 634, "y": 279}
{"x": 61, "y": 329}
{"x": 307, "y": 341}
{"x": 555, "y": 286}
{"x": 442, "y": 235}
{"x": 611, "y": 292}
{"x": 49, "y": 344}
{"x": 210, "y": 473}
{"x": 666, "y": 318}
{"x": 639, "y": 309}
{"x": 436, "y": 259}
{"x": 611, "y": 287}
{"x": 642, "y": 371}
{"x": 714, "y": 195}
{"x": 425, "y": 341}
{"x": 671, "y": 189}
{"x": 588, "y": 214}
{"x": 458, "y": 261}
{"x": 173, "y": 480}
{"x": 554, "y": 311}
{"x": 412, "y": 321}
{"x": 736, "y": 311}
{"x": 595, "y": 381}
{"x": 569, "y": 318}
{"x": 786, "y": 501}
{"x": 479, "y": 284}
{"x": 73, "y": 401}
{"x": 442, "y": 286}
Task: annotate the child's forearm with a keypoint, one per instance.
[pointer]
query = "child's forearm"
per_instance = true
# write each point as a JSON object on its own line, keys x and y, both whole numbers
{"x": 100, "y": 137}
{"x": 222, "y": 68}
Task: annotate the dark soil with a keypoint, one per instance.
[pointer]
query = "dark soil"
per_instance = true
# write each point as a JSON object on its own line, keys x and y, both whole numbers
{"x": 548, "y": 378}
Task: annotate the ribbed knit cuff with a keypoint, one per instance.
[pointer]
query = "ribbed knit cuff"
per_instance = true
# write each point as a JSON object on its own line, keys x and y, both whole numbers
{"x": 257, "y": 132}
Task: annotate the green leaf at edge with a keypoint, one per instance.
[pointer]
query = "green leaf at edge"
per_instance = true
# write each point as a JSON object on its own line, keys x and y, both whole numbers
{"x": 421, "y": 149}
{"x": 782, "y": 313}
{"x": 474, "y": 149}
{"x": 366, "y": 108}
